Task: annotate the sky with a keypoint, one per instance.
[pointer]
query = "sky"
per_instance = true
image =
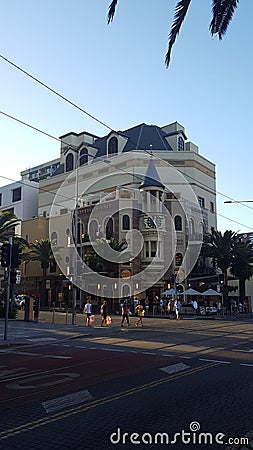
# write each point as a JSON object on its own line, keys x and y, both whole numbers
{"x": 117, "y": 74}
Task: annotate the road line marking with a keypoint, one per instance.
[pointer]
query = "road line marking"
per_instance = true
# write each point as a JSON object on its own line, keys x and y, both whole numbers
{"x": 112, "y": 350}
{"x": 57, "y": 356}
{"x": 248, "y": 365}
{"x": 46, "y": 339}
{"x": 174, "y": 368}
{"x": 215, "y": 360}
{"x": 148, "y": 353}
{"x": 109, "y": 399}
{"x": 185, "y": 357}
{"x": 244, "y": 351}
{"x": 165, "y": 354}
{"x": 66, "y": 401}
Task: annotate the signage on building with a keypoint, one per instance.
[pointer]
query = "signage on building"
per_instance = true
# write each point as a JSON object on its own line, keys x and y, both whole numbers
{"x": 125, "y": 273}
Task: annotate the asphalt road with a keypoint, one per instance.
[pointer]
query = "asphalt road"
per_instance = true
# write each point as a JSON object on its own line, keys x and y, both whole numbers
{"x": 81, "y": 388}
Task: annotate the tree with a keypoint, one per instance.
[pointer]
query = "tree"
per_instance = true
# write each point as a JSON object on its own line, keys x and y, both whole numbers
{"x": 8, "y": 221}
{"x": 242, "y": 265}
{"x": 221, "y": 247}
{"x": 229, "y": 252}
{"x": 42, "y": 252}
{"x": 222, "y": 13}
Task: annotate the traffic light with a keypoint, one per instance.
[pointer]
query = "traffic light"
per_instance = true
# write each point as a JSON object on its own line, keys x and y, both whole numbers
{"x": 221, "y": 278}
{"x": 6, "y": 255}
{"x": 16, "y": 256}
{"x": 180, "y": 289}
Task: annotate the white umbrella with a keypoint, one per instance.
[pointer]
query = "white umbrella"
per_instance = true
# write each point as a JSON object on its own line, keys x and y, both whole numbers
{"x": 191, "y": 291}
{"x": 169, "y": 292}
{"x": 210, "y": 292}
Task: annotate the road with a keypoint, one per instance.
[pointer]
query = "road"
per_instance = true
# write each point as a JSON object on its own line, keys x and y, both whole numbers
{"x": 114, "y": 388}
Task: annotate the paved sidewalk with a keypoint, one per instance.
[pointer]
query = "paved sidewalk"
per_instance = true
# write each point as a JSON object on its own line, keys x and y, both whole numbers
{"x": 58, "y": 326}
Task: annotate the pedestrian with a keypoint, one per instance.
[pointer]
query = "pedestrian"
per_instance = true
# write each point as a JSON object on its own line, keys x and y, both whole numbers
{"x": 104, "y": 313}
{"x": 171, "y": 308}
{"x": 219, "y": 309}
{"x": 139, "y": 310}
{"x": 195, "y": 306}
{"x": 146, "y": 305}
{"x": 88, "y": 311}
{"x": 177, "y": 308}
{"x": 245, "y": 307}
{"x": 161, "y": 306}
{"x": 125, "y": 314}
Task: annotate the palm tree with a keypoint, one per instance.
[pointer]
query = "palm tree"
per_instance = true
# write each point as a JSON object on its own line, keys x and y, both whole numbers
{"x": 222, "y": 13}
{"x": 42, "y": 252}
{"x": 242, "y": 265}
{"x": 8, "y": 221}
{"x": 221, "y": 248}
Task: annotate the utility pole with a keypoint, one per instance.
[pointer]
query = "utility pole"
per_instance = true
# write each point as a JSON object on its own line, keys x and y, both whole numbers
{"x": 7, "y": 299}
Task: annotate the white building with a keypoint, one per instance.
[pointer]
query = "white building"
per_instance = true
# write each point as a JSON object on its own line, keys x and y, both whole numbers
{"x": 20, "y": 198}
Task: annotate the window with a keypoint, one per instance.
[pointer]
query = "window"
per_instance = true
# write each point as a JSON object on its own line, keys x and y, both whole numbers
{"x": 126, "y": 222}
{"x": 0, "y": 199}
{"x": 178, "y": 259}
{"x": 178, "y": 223}
{"x": 16, "y": 194}
{"x": 54, "y": 238}
{"x": 113, "y": 146}
{"x": 69, "y": 162}
{"x": 191, "y": 227}
{"x": 83, "y": 156}
{"x": 153, "y": 248}
{"x": 180, "y": 144}
{"x": 109, "y": 229}
{"x": 201, "y": 201}
{"x": 153, "y": 196}
{"x": 211, "y": 207}
{"x": 52, "y": 268}
{"x": 93, "y": 230}
{"x": 147, "y": 249}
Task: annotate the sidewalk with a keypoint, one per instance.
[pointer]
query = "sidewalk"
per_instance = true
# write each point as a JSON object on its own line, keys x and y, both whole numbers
{"x": 53, "y": 326}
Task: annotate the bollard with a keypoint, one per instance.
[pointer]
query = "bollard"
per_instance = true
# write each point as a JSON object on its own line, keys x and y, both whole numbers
{"x": 36, "y": 310}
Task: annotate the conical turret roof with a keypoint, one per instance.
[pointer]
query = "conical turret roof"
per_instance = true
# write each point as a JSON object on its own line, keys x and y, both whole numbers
{"x": 152, "y": 178}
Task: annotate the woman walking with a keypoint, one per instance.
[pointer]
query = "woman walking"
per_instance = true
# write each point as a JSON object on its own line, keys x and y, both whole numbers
{"x": 125, "y": 314}
{"x": 139, "y": 310}
{"x": 104, "y": 313}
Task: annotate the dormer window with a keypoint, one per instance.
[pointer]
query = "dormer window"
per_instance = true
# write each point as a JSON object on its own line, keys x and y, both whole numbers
{"x": 69, "y": 162}
{"x": 83, "y": 156}
{"x": 180, "y": 144}
{"x": 113, "y": 146}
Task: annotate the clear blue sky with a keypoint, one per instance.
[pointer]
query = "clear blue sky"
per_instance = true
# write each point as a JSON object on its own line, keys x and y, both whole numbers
{"x": 117, "y": 74}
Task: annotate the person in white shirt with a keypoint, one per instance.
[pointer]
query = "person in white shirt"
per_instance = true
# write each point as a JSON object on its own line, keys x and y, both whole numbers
{"x": 88, "y": 311}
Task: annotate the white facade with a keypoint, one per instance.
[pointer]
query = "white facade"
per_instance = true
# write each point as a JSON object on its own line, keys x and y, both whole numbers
{"x": 21, "y": 199}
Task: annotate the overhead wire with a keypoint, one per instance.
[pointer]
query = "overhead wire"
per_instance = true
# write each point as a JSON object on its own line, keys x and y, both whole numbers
{"x": 104, "y": 161}
{"x": 150, "y": 153}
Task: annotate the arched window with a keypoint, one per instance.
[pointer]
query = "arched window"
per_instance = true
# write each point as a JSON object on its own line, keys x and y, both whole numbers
{"x": 178, "y": 259}
{"x": 126, "y": 222}
{"x": 83, "y": 156}
{"x": 180, "y": 144}
{"x": 54, "y": 238}
{"x": 69, "y": 162}
{"x": 113, "y": 146}
{"x": 191, "y": 227}
{"x": 178, "y": 223}
{"x": 93, "y": 230}
{"x": 109, "y": 229}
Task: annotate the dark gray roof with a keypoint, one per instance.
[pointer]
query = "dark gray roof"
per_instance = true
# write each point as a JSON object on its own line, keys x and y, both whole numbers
{"x": 152, "y": 178}
{"x": 140, "y": 137}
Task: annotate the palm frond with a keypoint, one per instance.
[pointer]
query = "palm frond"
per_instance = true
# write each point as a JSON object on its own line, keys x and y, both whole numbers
{"x": 180, "y": 13}
{"x": 223, "y": 11}
{"x": 111, "y": 11}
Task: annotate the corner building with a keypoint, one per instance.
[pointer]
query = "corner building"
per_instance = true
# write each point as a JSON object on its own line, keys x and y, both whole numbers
{"x": 147, "y": 185}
